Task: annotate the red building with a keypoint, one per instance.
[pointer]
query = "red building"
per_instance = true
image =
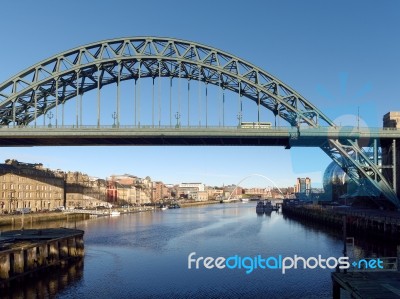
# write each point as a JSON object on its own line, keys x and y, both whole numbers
{"x": 112, "y": 192}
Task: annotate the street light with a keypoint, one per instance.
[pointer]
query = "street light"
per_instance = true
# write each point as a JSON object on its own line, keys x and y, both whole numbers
{"x": 114, "y": 116}
{"x": 50, "y": 116}
{"x": 177, "y": 116}
{"x": 239, "y": 117}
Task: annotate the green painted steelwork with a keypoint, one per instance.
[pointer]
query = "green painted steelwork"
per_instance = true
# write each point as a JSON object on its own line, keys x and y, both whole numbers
{"x": 49, "y": 83}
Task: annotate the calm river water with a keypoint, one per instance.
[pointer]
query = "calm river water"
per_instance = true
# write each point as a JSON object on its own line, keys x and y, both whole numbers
{"x": 145, "y": 255}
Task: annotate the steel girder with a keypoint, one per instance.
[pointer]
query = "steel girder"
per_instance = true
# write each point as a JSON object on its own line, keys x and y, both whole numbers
{"x": 362, "y": 168}
{"x": 54, "y": 81}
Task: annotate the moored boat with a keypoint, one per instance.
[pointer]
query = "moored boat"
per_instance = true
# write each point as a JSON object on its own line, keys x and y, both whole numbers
{"x": 115, "y": 213}
{"x": 174, "y": 206}
{"x": 268, "y": 206}
{"x": 163, "y": 207}
{"x": 260, "y": 207}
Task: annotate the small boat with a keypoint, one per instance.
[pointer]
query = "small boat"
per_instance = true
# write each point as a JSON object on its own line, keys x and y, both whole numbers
{"x": 244, "y": 200}
{"x": 115, "y": 213}
{"x": 260, "y": 207}
{"x": 268, "y": 206}
{"x": 174, "y": 206}
{"x": 163, "y": 207}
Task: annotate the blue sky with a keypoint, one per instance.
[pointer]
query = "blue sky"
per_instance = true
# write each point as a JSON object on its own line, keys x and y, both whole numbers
{"x": 340, "y": 55}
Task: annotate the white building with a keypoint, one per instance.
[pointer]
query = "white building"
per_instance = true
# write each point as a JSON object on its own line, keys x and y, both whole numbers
{"x": 198, "y": 186}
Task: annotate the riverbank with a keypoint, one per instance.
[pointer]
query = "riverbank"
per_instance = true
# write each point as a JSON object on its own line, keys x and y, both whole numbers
{"x": 198, "y": 203}
{"x": 27, "y": 220}
{"x": 35, "y": 218}
{"x": 364, "y": 221}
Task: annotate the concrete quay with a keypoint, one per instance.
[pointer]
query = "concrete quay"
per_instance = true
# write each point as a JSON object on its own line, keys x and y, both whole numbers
{"x": 24, "y": 252}
{"x": 32, "y": 218}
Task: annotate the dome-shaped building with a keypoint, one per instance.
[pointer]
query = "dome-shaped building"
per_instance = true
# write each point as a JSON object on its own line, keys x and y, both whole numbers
{"x": 336, "y": 182}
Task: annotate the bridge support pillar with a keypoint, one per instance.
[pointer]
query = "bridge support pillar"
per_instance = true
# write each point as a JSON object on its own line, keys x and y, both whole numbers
{"x": 391, "y": 163}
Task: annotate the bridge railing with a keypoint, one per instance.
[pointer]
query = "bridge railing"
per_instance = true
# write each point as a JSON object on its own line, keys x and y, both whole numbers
{"x": 292, "y": 132}
{"x": 301, "y": 128}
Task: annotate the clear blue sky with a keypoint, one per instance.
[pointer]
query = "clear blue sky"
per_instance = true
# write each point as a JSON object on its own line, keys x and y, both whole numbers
{"x": 340, "y": 55}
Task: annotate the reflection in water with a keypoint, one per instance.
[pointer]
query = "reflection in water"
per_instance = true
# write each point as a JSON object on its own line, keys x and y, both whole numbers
{"x": 46, "y": 283}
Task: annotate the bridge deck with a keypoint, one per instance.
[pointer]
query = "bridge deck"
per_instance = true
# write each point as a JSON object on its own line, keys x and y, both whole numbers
{"x": 90, "y": 135}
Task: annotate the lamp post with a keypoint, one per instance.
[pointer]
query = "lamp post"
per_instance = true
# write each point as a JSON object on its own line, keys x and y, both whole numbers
{"x": 114, "y": 116}
{"x": 177, "y": 116}
{"x": 239, "y": 117}
{"x": 50, "y": 116}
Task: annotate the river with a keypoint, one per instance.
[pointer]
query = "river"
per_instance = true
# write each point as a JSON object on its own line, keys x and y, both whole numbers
{"x": 145, "y": 255}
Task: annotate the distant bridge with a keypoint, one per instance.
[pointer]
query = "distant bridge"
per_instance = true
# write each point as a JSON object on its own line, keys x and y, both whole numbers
{"x": 169, "y": 91}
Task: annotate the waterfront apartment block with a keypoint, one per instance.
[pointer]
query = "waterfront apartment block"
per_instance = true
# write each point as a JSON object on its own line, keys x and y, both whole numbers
{"x": 83, "y": 191}
{"x": 303, "y": 186}
{"x": 26, "y": 185}
{"x": 160, "y": 192}
{"x": 215, "y": 193}
{"x": 32, "y": 187}
{"x": 129, "y": 189}
{"x": 192, "y": 191}
{"x": 233, "y": 191}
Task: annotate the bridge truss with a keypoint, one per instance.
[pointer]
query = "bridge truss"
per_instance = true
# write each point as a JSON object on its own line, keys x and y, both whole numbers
{"x": 49, "y": 84}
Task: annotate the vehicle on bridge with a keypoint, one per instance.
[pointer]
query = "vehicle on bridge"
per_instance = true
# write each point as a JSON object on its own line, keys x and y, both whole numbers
{"x": 255, "y": 125}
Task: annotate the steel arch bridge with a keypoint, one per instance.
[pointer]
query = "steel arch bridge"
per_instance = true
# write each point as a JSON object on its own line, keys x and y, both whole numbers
{"x": 51, "y": 83}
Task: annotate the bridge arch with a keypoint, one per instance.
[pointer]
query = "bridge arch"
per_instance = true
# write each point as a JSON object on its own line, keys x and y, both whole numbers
{"x": 54, "y": 81}
{"x": 253, "y": 175}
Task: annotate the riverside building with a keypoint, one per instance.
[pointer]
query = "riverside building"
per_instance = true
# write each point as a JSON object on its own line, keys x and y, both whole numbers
{"x": 28, "y": 185}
